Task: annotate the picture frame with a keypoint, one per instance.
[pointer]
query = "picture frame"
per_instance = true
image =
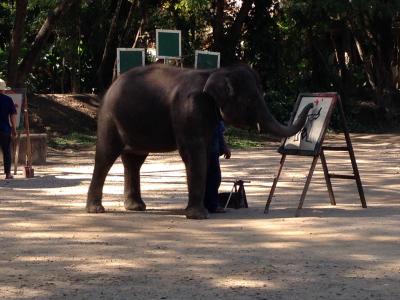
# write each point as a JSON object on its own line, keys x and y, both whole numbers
{"x": 308, "y": 141}
{"x": 128, "y": 58}
{"x": 207, "y": 59}
{"x": 18, "y": 95}
{"x": 168, "y": 44}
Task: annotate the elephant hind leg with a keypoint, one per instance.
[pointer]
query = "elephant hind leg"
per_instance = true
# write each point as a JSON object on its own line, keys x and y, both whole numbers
{"x": 132, "y": 164}
{"x": 108, "y": 148}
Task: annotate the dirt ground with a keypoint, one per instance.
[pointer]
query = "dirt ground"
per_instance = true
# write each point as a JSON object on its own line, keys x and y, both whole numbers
{"x": 51, "y": 112}
{"x": 51, "y": 249}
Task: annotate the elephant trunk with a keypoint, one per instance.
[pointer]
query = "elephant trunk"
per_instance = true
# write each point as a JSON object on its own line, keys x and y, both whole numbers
{"x": 268, "y": 123}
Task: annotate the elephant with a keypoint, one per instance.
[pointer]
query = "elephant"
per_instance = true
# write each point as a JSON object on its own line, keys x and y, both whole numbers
{"x": 161, "y": 108}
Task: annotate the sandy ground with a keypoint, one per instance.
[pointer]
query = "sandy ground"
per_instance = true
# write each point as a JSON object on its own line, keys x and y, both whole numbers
{"x": 51, "y": 249}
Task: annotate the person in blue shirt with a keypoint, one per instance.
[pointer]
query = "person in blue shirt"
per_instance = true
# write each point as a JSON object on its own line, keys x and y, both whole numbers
{"x": 7, "y": 129}
{"x": 217, "y": 148}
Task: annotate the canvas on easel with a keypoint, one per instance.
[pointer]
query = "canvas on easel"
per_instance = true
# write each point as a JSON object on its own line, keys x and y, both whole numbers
{"x": 309, "y": 139}
{"x": 18, "y": 95}
{"x": 309, "y": 142}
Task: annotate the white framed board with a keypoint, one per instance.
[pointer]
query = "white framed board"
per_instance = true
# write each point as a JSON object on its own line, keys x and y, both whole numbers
{"x": 168, "y": 44}
{"x": 18, "y": 97}
{"x": 206, "y": 59}
{"x": 308, "y": 140}
{"x": 128, "y": 58}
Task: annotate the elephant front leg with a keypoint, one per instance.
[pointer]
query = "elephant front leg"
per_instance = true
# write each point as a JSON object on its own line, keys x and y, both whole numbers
{"x": 195, "y": 160}
{"x": 132, "y": 164}
{"x": 103, "y": 162}
{"x": 95, "y": 193}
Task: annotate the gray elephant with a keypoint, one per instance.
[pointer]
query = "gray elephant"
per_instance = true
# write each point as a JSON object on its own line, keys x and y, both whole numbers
{"x": 161, "y": 108}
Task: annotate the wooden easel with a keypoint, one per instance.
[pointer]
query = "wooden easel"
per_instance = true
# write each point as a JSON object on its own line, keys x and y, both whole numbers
{"x": 16, "y": 144}
{"x": 23, "y": 121}
{"x": 28, "y": 170}
{"x": 319, "y": 152}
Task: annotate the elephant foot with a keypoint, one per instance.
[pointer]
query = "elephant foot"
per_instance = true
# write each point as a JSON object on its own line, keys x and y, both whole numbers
{"x": 95, "y": 208}
{"x": 134, "y": 205}
{"x": 196, "y": 213}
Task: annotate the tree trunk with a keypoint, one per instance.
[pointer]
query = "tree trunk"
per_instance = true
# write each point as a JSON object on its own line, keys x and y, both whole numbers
{"x": 227, "y": 43}
{"x": 108, "y": 57}
{"x": 218, "y": 25}
{"x": 16, "y": 40}
{"x": 338, "y": 40}
{"x": 235, "y": 31}
{"x": 125, "y": 39}
{"x": 374, "y": 42}
{"x": 75, "y": 74}
{"x": 40, "y": 41}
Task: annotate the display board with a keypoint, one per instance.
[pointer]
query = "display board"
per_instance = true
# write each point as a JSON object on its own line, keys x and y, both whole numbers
{"x": 18, "y": 97}
{"x": 168, "y": 44}
{"x": 309, "y": 139}
{"x": 206, "y": 60}
{"x": 128, "y": 58}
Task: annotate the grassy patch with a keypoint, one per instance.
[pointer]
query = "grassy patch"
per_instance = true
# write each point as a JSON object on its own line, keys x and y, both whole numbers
{"x": 72, "y": 140}
{"x": 242, "y": 139}
{"x": 236, "y": 138}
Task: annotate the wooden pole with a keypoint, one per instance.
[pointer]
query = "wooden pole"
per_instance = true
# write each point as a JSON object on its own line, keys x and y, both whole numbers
{"x": 276, "y": 179}
{"x": 327, "y": 178}
{"x": 16, "y": 143}
{"x": 28, "y": 166}
{"x": 307, "y": 184}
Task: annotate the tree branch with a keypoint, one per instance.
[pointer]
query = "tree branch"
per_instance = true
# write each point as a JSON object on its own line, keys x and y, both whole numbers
{"x": 16, "y": 40}
{"x": 41, "y": 38}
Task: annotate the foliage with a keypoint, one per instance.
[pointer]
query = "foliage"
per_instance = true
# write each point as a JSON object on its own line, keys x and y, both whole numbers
{"x": 72, "y": 140}
{"x": 296, "y": 45}
{"x": 241, "y": 139}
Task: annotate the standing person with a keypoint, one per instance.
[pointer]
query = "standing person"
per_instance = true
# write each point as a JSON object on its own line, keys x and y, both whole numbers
{"x": 217, "y": 148}
{"x": 7, "y": 128}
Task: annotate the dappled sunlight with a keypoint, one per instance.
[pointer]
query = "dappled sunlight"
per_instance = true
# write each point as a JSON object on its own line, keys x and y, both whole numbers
{"x": 110, "y": 265}
{"x": 280, "y": 245}
{"x": 363, "y": 257}
{"x": 50, "y": 246}
{"x": 237, "y": 282}
{"x": 14, "y": 292}
{"x": 385, "y": 238}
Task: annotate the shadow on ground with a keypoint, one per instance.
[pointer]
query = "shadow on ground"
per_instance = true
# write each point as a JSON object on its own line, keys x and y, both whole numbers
{"x": 52, "y": 249}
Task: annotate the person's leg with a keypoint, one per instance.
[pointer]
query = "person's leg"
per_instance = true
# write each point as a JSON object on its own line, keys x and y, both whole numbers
{"x": 2, "y": 147}
{"x": 5, "y": 149}
{"x": 7, "y": 155}
{"x": 213, "y": 183}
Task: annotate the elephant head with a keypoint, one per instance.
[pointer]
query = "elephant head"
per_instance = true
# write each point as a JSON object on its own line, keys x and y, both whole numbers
{"x": 238, "y": 94}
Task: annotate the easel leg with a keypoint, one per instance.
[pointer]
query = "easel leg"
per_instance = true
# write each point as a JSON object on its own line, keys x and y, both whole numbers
{"x": 357, "y": 177}
{"x": 307, "y": 184}
{"x": 17, "y": 141}
{"x": 327, "y": 179}
{"x": 352, "y": 157}
{"x": 271, "y": 193}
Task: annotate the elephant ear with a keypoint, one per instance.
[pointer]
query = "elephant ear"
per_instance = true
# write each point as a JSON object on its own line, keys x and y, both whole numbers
{"x": 219, "y": 87}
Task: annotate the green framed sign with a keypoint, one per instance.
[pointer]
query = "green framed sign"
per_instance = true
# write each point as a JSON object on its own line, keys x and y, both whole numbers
{"x": 128, "y": 58}
{"x": 206, "y": 60}
{"x": 168, "y": 44}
